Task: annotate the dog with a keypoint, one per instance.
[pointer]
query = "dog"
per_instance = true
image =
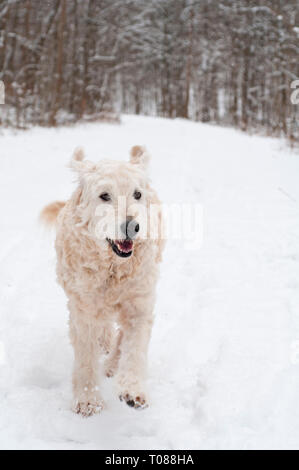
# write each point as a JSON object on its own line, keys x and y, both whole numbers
{"x": 108, "y": 266}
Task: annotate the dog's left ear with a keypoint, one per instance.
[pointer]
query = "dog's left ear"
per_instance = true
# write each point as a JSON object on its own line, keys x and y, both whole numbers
{"x": 139, "y": 156}
{"x": 79, "y": 164}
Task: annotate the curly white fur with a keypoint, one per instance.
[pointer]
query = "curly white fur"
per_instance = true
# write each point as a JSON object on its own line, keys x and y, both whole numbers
{"x": 104, "y": 289}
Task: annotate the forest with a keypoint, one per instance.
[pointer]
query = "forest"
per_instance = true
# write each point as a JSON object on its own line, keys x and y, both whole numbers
{"x": 229, "y": 62}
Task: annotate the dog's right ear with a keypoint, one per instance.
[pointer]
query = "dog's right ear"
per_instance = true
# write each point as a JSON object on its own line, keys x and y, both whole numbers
{"x": 78, "y": 163}
{"x": 139, "y": 156}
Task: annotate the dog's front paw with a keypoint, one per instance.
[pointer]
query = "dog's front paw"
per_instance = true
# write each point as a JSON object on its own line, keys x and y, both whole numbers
{"x": 86, "y": 408}
{"x": 88, "y": 404}
{"x": 137, "y": 401}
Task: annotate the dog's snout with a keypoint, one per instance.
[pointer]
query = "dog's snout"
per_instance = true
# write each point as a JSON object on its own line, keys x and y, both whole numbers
{"x": 130, "y": 228}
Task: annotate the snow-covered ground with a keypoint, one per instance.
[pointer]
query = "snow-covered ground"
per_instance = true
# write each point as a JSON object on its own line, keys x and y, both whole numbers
{"x": 224, "y": 368}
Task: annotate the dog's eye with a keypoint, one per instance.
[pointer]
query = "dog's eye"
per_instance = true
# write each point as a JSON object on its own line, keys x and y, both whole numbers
{"x": 105, "y": 197}
{"x": 137, "y": 194}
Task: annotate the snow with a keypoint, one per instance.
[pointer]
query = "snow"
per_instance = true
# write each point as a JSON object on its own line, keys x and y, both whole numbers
{"x": 223, "y": 362}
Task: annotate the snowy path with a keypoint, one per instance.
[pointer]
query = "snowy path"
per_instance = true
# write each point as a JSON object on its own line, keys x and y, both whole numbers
{"x": 223, "y": 367}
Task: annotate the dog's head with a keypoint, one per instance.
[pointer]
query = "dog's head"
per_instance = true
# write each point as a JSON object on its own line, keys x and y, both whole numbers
{"x": 112, "y": 200}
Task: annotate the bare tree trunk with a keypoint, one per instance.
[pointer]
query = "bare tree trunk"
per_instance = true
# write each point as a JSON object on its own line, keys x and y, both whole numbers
{"x": 59, "y": 64}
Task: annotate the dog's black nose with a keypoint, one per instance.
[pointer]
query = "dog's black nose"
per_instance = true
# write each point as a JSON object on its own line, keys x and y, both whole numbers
{"x": 130, "y": 228}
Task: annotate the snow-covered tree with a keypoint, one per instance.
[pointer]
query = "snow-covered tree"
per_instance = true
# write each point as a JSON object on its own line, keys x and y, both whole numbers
{"x": 228, "y": 61}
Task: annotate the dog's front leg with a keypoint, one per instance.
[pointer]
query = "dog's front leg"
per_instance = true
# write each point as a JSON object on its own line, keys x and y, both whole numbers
{"x": 136, "y": 321}
{"x": 87, "y": 399}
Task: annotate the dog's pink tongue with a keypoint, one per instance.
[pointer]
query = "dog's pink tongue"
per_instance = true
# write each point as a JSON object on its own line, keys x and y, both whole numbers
{"x": 125, "y": 245}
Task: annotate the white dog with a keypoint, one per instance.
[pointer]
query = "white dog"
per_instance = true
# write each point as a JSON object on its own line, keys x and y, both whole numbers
{"x": 107, "y": 263}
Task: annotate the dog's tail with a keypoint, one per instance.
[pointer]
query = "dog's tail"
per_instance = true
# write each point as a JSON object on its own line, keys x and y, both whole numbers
{"x": 50, "y": 213}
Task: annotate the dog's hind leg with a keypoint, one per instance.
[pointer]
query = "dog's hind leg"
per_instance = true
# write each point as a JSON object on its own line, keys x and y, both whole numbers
{"x": 106, "y": 339}
{"x": 87, "y": 399}
{"x": 111, "y": 363}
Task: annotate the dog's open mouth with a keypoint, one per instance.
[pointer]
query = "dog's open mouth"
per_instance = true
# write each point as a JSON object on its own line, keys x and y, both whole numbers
{"x": 122, "y": 248}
